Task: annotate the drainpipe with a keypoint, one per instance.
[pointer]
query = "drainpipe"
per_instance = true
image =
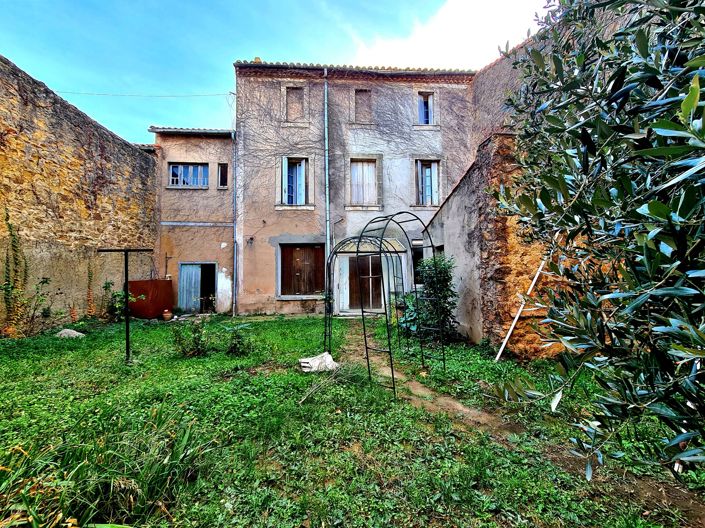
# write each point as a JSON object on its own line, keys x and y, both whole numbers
{"x": 327, "y": 174}
{"x": 235, "y": 270}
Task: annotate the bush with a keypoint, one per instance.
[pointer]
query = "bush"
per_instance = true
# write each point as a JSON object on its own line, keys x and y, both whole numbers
{"x": 117, "y": 472}
{"x": 436, "y": 304}
{"x": 190, "y": 337}
{"x": 240, "y": 345}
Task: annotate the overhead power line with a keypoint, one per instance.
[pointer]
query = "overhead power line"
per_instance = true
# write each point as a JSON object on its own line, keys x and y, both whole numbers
{"x": 142, "y": 95}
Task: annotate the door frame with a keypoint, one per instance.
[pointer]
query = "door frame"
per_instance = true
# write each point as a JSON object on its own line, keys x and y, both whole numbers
{"x": 194, "y": 262}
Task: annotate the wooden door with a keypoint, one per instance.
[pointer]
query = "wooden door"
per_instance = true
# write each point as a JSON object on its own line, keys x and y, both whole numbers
{"x": 368, "y": 289}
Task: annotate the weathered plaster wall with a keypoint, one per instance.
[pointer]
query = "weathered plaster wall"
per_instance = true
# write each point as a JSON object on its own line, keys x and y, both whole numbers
{"x": 494, "y": 265}
{"x": 263, "y": 138}
{"x": 392, "y": 138}
{"x": 190, "y": 242}
{"x": 70, "y": 186}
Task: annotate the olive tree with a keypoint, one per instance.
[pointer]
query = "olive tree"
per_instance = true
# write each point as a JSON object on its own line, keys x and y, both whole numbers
{"x": 611, "y": 143}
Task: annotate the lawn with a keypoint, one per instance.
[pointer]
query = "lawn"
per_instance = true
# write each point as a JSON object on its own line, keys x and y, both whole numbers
{"x": 223, "y": 441}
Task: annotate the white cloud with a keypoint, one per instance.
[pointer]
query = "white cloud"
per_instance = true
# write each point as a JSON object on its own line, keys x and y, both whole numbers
{"x": 461, "y": 34}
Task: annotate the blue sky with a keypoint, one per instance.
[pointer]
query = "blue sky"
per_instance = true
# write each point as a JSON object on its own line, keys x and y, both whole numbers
{"x": 188, "y": 47}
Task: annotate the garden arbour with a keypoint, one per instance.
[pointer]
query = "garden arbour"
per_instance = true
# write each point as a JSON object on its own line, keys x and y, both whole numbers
{"x": 378, "y": 240}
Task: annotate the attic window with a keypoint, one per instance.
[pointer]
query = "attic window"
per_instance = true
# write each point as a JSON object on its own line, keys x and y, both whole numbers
{"x": 294, "y": 103}
{"x": 363, "y": 106}
{"x": 425, "y": 108}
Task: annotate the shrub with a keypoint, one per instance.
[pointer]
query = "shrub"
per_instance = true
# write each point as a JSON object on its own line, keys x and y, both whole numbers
{"x": 436, "y": 304}
{"x": 116, "y": 472}
{"x": 190, "y": 337}
{"x": 239, "y": 344}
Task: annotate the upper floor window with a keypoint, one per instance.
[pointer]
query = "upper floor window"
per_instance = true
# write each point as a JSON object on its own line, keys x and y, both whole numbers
{"x": 425, "y": 100}
{"x": 222, "y": 175}
{"x": 363, "y": 106}
{"x": 294, "y": 182}
{"x": 427, "y": 182}
{"x": 363, "y": 182}
{"x": 188, "y": 175}
{"x": 294, "y": 103}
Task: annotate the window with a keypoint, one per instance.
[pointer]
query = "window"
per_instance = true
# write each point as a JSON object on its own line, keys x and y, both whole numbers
{"x": 188, "y": 175}
{"x": 294, "y": 185}
{"x": 294, "y": 103}
{"x": 363, "y": 182}
{"x": 222, "y": 175}
{"x": 302, "y": 270}
{"x": 425, "y": 108}
{"x": 363, "y": 106}
{"x": 427, "y": 182}
{"x": 416, "y": 258}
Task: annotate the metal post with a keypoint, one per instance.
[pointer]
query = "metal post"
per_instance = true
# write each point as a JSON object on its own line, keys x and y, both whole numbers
{"x": 126, "y": 291}
{"x": 126, "y": 294}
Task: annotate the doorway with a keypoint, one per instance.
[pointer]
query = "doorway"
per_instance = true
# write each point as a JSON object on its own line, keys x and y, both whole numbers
{"x": 197, "y": 287}
{"x": 367, "y": 291}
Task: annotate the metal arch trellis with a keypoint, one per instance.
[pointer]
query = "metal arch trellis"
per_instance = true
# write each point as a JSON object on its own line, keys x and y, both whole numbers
{"x": 373, "y": 241}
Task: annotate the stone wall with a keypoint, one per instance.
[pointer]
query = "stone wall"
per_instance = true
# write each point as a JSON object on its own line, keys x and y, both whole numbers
{"x": 494, "y": 264}
{"x": 69, "y": 186}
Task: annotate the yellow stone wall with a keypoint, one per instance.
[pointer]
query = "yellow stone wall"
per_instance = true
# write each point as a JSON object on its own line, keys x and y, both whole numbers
{"x": 69, "y": 186}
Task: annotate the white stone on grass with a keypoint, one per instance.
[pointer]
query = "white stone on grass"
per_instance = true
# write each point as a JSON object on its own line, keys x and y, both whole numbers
{"x": 320, "y": 363}
{"x": 68, "y": 333}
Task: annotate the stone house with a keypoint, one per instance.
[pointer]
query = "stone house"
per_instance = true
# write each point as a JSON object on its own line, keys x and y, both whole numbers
{"x": 320, "y": 151}
{"x": 195, "y": 234}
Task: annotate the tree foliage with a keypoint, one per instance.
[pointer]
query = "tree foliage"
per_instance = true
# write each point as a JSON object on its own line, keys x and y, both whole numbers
{"x": 610, "y": 131}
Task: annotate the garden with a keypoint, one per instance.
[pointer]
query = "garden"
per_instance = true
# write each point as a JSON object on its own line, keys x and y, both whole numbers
{"x": 222, "y": 437}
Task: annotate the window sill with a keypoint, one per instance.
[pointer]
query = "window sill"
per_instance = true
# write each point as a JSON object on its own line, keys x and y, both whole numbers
{"x": 426, "y": 127}
{"x": 220, "y": 188}
{"x": 188, "y": 188}
{"x": 295, "y": 124}
{"x": 294, "y": 207}
{"x": 299, "y": 297}
{"x": 424, "y": 207}
{"x": 356, "y": 124}
{"x": 363, "y": 207}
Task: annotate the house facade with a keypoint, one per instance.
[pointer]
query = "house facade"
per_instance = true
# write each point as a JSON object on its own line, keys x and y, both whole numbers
{"x": 195, "y": 242}
{"x": 320, "y": 151}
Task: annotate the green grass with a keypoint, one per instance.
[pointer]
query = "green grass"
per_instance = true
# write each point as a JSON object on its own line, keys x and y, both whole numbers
{"x": 349, "y": 456}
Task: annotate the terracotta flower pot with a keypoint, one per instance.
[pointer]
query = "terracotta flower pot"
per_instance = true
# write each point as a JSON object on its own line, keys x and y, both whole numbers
{"x": 167, "y": 315}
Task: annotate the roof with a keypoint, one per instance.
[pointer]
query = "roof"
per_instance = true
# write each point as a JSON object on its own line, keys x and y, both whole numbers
{"x": 387, "y": 71}
{"x": 177, "y": 131}
{"x": 147, "y": 147}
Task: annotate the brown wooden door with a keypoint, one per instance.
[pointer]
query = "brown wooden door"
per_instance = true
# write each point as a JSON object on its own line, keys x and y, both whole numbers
{"x": 369, "y": 287}
{"x": 303, "y": 270}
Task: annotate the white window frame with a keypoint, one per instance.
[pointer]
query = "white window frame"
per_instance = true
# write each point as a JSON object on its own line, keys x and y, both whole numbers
{"x": 179, "y": 183}
{"x": 283, "y": 183}
{"x": 366, "y": 188}
{"x": 227, "y": 175}
{"x": 422, "y": 96}
{"x": 424, "y": 190}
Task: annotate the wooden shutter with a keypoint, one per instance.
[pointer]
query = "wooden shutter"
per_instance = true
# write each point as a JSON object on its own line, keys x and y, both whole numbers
{"x": 435, "y": 183}
{"x": 301, "y": 183}
{"x": 284, "y": 181}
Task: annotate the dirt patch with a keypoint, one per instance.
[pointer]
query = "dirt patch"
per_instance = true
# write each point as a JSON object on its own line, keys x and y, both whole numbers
{"x": 266, "y": 368}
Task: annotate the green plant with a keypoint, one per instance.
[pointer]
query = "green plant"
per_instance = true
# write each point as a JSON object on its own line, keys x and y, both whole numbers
{"x": 239, "y": 344}
{"x": 612, "y": 147}
{"x": 115, "y": 471}
{"x": 432, "y": 312}
{"x": 190, "y": 337}
{"x": 116, "y": 302}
